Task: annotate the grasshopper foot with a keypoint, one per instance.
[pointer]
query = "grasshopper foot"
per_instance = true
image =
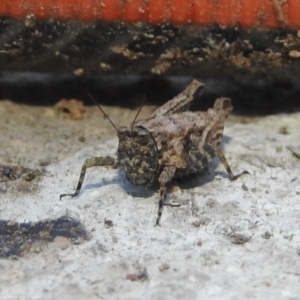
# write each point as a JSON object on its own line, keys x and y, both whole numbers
{"x": 64, "y": 195}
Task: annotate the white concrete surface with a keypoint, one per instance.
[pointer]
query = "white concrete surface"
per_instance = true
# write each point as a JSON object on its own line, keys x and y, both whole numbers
{"x": 247, "y": 244}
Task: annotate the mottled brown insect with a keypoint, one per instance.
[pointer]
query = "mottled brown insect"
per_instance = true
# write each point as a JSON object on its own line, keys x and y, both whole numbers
{"x": 171, "y": 143}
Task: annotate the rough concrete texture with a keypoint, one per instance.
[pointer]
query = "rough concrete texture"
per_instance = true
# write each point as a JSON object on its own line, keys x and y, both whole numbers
{"x": 227, "y": 240}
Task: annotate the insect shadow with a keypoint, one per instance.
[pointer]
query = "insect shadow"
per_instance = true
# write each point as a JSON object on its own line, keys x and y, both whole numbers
{"x": 128, "y": 187}
{"x": 187, "y": 182}
{"x": 98, "y": 185}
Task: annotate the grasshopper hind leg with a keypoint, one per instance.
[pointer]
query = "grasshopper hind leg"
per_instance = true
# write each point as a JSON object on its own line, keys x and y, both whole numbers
{"x": 90, "y": 162}
{"x": 227, "y": 167}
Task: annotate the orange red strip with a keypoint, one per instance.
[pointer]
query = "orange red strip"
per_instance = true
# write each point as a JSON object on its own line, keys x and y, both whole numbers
{"x": 247, "y": 13}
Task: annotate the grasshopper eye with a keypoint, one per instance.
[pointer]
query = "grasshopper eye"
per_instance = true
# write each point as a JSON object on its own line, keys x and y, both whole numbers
{"x": 122, "y": 131}
{"x": 143, "y": 133}
{"x": 144, "y": 136}
{"x": 140, "y": 132}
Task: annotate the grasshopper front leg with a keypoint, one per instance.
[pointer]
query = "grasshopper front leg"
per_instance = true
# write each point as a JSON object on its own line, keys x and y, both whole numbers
{"x": 166, "y": 176}
{"x": 90, "y": 162}
{"x": 227, "y": 167}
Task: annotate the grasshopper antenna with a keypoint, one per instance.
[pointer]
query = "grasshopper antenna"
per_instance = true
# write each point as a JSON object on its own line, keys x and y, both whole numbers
{"x": 137, "y": 114}
{"x": 105, "y": 115}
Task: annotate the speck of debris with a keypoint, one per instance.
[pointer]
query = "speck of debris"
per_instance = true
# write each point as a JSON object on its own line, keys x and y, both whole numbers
{"x": 19, "y": 238}
{"x": 102, "y": 247}
{"x": 78, "y": 72}
{"x": 204, "y": 220}
{"x": 43, "y": 162}
{"x": 196, "y": 223}
{"x": 244, "y": 187}
{"x": 164, "y": 267}
{"x": 105, "y": 66}
{"x": 288, "y": 237}
{"x": 283, "y": 130}
{"x": 114, "y": 238}
{"x": 62, "y": 242}
{"x": 8, "y": 173}
{"x": 74, "y": 107}
{"x": 210, "y": 203}
{"x": 81, "y": 139}
{"x": 266, "y": 235}
{"x": 140, "y": 276}
{"x": 279, "y": 149}
{"x": 108, "y": 223}
{"x": 268, "y": 283}
{"x": 294, "y": 54}
{"x": 239, "y": 238}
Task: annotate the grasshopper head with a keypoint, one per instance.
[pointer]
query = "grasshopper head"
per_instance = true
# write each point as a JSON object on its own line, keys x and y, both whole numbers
{"x": 137, "y": 154}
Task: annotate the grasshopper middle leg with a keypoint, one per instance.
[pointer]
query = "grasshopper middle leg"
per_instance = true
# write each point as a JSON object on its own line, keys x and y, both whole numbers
{"x": 90, "y": 162}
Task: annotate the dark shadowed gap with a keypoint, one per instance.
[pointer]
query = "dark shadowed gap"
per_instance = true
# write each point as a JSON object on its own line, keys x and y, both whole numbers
{"x": 250, "y": 96}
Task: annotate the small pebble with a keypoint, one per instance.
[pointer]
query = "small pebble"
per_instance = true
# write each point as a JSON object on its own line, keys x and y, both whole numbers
{"x": 239, "y": 238}
{"x": 164, "y": 267}
{"x": 62, "y": 242}
{"x": 108, "y": 223}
